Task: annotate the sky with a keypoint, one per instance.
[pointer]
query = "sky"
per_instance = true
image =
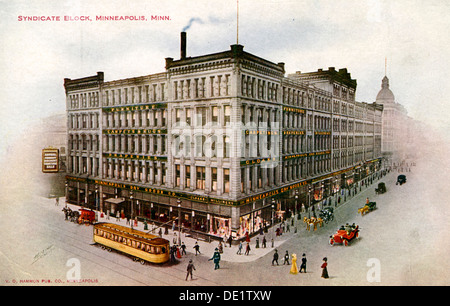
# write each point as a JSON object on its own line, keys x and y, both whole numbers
{"x": 360, "y": 35}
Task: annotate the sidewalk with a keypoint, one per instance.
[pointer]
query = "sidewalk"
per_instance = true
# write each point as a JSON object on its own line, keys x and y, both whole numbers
{"x": 229, "y": 254}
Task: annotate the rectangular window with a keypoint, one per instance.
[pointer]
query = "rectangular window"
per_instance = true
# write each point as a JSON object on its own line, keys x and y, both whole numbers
{"x": 188, "y": 176}
{"x": 215, "y": 115}
{"x": 227, "y": 114}
{"x": 200, "y": 178}
{"x": 214, "y": 179}
{"x": 226, "y": 180}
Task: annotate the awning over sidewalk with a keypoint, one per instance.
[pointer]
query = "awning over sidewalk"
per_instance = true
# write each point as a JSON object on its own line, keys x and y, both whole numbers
{"x": 115, "y": 200}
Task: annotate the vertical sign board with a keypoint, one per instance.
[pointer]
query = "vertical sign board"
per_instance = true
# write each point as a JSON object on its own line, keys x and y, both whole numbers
{"x": 50, "y": 160}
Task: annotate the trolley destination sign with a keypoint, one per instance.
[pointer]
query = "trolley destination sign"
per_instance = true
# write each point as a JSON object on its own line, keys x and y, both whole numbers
{"x": 50, "y": 158}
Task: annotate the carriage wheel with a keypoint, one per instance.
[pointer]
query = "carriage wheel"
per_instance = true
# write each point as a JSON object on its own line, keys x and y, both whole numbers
{"x": 331, "y": 241}
{"x": 345, "y": 242}
{"x": 357, "y": 235}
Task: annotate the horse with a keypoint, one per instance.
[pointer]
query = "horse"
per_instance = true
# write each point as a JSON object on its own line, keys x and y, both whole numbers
{"x": 363, "y": 210}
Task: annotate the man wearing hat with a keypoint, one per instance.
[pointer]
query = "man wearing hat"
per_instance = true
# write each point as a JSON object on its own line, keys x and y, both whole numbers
{"x": 216, "y": 258}
{"x": 303, "y": 265}
{"x": 190, "y": 267}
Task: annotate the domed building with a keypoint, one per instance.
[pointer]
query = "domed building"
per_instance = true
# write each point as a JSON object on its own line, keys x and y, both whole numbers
{"x": 394, "y": 122}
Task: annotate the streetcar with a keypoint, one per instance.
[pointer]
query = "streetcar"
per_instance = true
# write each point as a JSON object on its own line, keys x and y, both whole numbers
{"x": 140, "y": 246}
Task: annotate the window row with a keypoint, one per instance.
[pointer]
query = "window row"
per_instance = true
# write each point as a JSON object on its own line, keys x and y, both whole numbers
{"x": 205, "y": 87}
{"x": 136, "y": 144}
{"x": 154, "y": 118}
{"x": 135, "y": 94}
{"x": 83, "y": 121}
{"x": 84, "y": 100}
{"x": 256, "y": 88}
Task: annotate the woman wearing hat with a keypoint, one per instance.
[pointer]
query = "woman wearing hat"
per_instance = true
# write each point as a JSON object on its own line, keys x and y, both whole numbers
{"x": 324, "y": 268}
{"x": 294, "y": 268}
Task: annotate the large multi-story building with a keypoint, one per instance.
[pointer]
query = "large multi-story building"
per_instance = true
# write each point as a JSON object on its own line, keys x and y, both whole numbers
{"x": 225, "y": 141}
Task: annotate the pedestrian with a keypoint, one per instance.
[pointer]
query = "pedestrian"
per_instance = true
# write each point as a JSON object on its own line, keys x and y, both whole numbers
{"x": 303, "y": 265}
{"x": 275, "y": 257}
{"x": 190, "y": 267}
{"x": 264, "y": 242}
{"x": 286, "y": 258}
{"x": 225, "y": 240}
{"x": 367, "y": 200}
{"x": 172, "y": 253}
{"x": 247, "y": 249}
{"x": 294, "y": 269}
{"x": 118, "y": 216}
{"x": 197, "y": 248}
{"x": 272, "y": 243}
{"x": 257, "y": 243}
{"x": 183, "y": 249}
{"x": 220, "y": 247}
{"x": 230, "y": 240}
{"x": 239, "y": 252}
{"x": 324, "y": 268}
{"x": 216, "y": 258}
{"x": 178, "y": 251}
{"x": 57, "y": 202}
{"x": 160, "y": 232}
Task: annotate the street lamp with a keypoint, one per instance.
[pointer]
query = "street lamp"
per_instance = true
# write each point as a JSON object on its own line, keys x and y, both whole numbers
{"x": 96, "y": 203}
{"x": 273, "y": 224}
{"x": 131, "y": 217}
{"x": 66, "y": 195}
{"x": 309, "y": 202}
{"x": 179, "y": 221}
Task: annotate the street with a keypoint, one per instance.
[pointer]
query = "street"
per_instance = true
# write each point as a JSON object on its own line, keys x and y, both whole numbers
{"x": 403, "y": 242}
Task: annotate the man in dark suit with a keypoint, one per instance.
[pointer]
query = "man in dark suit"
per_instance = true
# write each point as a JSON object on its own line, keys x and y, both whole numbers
{"x": 303, "y": 265}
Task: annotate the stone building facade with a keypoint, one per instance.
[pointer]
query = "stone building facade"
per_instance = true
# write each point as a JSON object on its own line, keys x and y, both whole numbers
{"x": 224, "y": 141}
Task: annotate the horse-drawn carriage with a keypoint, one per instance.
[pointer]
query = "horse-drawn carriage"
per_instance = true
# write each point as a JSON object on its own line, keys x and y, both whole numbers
{"x": 82, "y": 216}
{"x": 367, "y": 208}
{"x": 344, "y": 235}
{"x": 381, "y": 188}
{"x": 401, "y": 179}
{"x": 326, "y": 214}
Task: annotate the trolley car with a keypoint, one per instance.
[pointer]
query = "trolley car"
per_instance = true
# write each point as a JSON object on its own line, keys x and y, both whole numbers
{"x": 141, "y": 246}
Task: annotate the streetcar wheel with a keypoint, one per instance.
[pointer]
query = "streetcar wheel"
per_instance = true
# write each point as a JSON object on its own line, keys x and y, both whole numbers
{"x": 142, "y": 262}
{"x": 109, "y": 249}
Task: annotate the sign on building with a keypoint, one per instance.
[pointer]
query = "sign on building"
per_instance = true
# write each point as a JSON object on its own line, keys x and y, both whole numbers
{"x": 50, "y": 160}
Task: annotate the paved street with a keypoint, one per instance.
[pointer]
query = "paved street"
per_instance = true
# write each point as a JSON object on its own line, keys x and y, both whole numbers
{"x": 406, "y": 235}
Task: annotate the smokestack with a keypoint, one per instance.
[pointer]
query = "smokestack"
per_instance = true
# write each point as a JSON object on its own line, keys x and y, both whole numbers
{"x": 183, "y": 46}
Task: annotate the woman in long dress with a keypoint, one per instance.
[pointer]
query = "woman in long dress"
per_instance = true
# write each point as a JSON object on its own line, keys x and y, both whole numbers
{"x": 294, "y": 268}
{"x": 324, "y": 268}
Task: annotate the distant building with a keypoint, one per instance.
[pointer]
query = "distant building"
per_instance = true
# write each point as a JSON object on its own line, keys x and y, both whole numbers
{"x": 395, "y": 123}
{"x": 224, "y": 140}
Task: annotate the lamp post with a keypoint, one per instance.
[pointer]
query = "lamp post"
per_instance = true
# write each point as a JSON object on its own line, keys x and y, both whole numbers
{"x": 309, "y": 202}
{"x": 179, "y": 221}
{"x": 96, "y": 203}
{"x": 131, "y": 217}
{"x": 66, "y": 194}
{"x": 273, "y": 225}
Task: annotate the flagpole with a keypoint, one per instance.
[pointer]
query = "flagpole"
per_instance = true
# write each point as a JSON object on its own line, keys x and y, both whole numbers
{"x": 237, "y": 22}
